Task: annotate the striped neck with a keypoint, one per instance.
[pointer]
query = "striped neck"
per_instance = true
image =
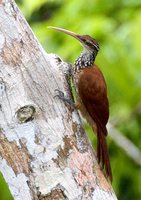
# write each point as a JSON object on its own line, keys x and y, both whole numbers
{"x": 86, "y": 59}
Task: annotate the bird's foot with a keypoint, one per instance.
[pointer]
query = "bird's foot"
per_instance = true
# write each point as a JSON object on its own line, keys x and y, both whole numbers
{"x": 61, "y": 96}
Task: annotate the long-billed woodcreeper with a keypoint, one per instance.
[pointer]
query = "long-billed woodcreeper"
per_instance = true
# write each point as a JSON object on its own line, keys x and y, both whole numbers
{"x": 91, "y": 92}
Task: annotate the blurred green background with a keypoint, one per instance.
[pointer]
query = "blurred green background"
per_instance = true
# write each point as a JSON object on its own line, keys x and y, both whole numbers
{"x": 117, "y": 26}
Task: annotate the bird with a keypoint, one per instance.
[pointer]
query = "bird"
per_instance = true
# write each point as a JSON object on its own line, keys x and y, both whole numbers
{"x": 91, "y": 94}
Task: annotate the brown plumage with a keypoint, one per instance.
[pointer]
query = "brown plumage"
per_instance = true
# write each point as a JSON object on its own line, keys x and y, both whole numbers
{"x": 91, "y": 93}
{"x": 94, "y": 106}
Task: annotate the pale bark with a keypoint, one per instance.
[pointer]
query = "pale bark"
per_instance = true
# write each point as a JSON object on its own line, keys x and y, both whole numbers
{"x": 44, "y": 151}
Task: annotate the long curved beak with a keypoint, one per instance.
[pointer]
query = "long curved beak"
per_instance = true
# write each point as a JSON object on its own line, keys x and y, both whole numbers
{"x": 66, "y": 32}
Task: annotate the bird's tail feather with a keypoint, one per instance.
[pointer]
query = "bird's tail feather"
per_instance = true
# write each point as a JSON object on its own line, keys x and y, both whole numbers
{"x": 102, "y": 152}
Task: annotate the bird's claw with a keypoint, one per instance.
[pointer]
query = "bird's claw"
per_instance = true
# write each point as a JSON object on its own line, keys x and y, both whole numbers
{"x": 61, "y": 96}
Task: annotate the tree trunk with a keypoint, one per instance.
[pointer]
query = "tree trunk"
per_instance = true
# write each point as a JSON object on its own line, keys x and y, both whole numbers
{"x": 44, "y": 151}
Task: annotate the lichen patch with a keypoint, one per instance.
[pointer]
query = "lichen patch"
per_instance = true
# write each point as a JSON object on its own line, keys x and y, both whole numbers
{"x": 17, "y": 158}
{"x": 82, "y": 167}
{"x": 102, "y": 182}
{"x": 56, "y": 194}
{"x": 63, "y": 153}
{"x": 12, "y": 54}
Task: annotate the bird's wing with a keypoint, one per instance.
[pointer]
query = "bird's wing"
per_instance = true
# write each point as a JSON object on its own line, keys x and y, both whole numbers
{"x": 93, "y": 93}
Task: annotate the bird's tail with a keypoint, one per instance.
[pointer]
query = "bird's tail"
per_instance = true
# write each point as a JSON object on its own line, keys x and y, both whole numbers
{"x": 102, "y": 152}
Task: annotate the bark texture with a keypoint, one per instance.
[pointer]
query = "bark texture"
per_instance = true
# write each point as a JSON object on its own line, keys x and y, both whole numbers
{"x": 44, "y": 151}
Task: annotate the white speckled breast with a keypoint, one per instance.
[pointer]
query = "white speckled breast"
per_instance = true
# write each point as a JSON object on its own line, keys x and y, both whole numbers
{"x": 86, "y": 59}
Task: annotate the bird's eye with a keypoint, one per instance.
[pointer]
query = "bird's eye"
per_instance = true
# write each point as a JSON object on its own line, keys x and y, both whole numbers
{"x": 87, "y": 42}
{"x": 90, "y": 44}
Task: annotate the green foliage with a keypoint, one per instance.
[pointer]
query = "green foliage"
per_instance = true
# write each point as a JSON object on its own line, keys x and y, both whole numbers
{"x": 117, "y": 27}
{"x": 4, "y": 190}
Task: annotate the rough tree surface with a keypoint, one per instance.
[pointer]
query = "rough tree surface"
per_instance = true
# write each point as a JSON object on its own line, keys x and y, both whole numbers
{"x": 44, "y": 151}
